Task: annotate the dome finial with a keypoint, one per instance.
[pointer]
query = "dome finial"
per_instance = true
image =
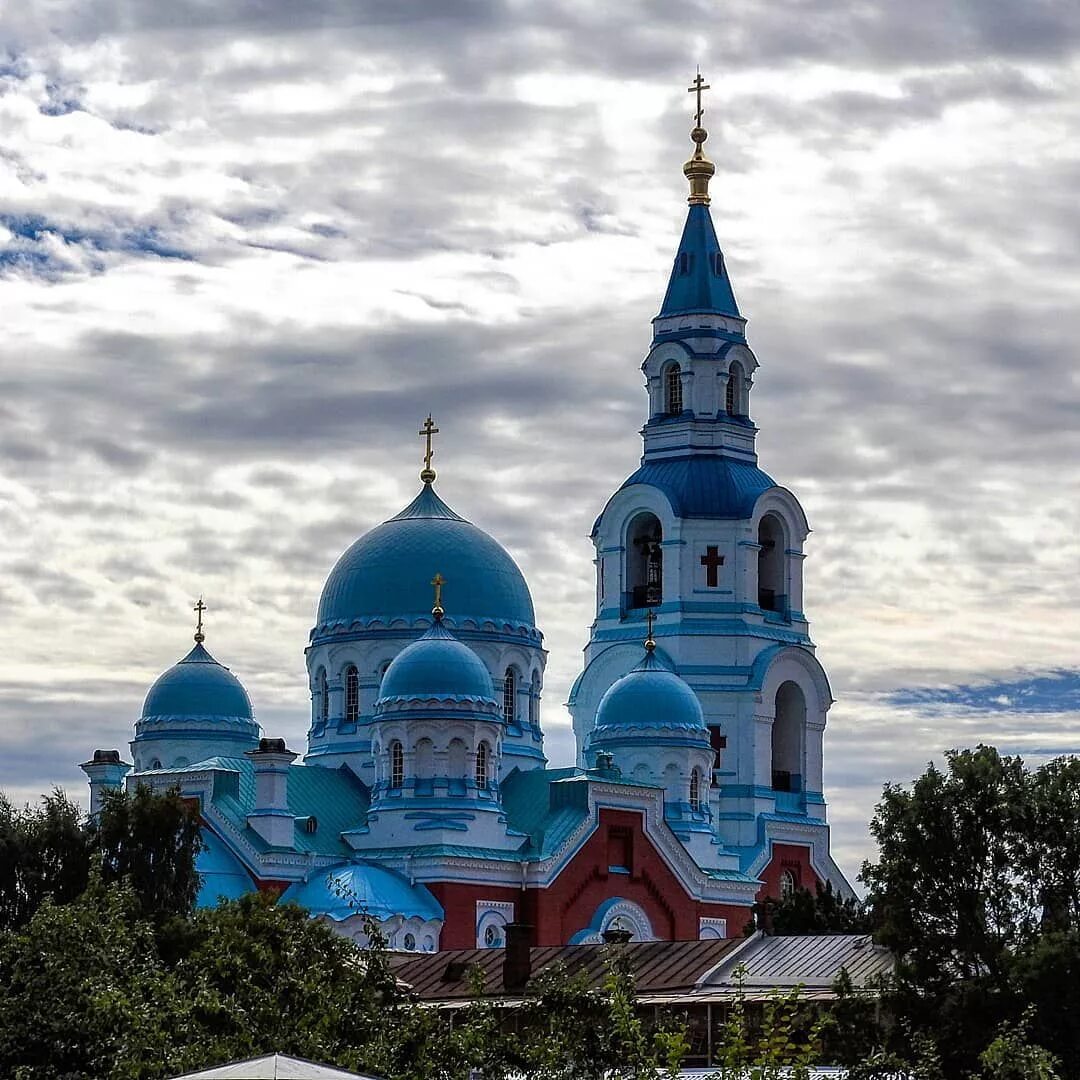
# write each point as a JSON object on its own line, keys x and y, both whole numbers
{"x": 437, "y": 611}
{"x": 650, "y": 641}
{"x": 427, "y": 474}
{"x": 699, "y": 169}
{"x": 199, "y": 608}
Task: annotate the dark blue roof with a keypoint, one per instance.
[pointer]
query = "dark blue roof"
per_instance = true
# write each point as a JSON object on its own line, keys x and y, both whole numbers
{"x": 699, "y": 279}
{"x": 198, "y": 686}
{"x": 705, "y": 485}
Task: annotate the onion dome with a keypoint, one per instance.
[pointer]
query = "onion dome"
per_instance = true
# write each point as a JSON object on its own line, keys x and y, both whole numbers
{"x": 437, "y": 667}
{"x": 383, "y": 575}
{"x": 198, "y": 686}
{"x": 648, "y": 700}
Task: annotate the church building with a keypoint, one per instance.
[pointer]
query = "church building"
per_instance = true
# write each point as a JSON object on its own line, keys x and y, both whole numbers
{"x": 425, "y": 800}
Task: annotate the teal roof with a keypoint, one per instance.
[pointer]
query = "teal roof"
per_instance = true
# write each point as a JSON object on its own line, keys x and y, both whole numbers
{"x": 646, "y": 699}
{"x": 198, "y": 686}
{"x": 222, "y": 874}
{"x": 363, "y": 889}
{"x": 705, "y": 485}
{"x": 437, "y": 666}
{"x": 699, "y": 280}
{"x": 387, "y": 572}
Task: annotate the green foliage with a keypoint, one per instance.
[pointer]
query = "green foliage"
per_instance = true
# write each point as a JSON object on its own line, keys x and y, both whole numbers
{"x": 1012, "y": 1057}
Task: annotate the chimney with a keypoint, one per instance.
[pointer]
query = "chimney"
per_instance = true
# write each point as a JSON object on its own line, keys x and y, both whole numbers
{"x": 106, "y": 772}
{"x": 517, "y": 959}
{"x": 617, "y": 936}
{"x": 270, "y": 817}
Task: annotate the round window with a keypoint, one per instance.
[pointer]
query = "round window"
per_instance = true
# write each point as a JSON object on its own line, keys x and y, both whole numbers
{"x": 409, "y": 941}
{"x": 491, "y": 937}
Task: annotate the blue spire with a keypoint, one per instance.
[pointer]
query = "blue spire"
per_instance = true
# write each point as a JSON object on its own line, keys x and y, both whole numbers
{"x": 699, "y": 280}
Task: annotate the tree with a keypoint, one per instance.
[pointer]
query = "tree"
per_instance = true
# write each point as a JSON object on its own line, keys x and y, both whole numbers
{"x": 820, "y": 912}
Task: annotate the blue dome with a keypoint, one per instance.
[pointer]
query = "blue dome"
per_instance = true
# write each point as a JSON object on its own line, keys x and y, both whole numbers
{"x": 648, "y": 698}
{"x": 386, "y": 573}
{"x": 371, "y": 890}
{"x": 437, "y": 666}
{"x": 198, "y": 686}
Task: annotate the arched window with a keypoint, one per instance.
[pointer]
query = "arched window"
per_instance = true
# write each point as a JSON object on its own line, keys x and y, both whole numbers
{"x": 397, "y": 765}
{"x": 695, "y": 790}
{"x": 772, "y": 565}
{"x": 155, "y": 764}
{"x": 510, "y": 696}
{"x": 734, "y": 390}
{"x": 644, "y": 562}
{"x": 673, "y": 400}
{"x": 483, "y": 766}
{"x": 352, "y": 694}
{"x": 324, "y": 697}
{"x": 788, "y": 884}
{"x": 787, "y": 738}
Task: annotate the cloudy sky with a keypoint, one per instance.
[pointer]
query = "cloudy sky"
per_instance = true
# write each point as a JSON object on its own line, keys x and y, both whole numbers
{"x": 245, "y": 247}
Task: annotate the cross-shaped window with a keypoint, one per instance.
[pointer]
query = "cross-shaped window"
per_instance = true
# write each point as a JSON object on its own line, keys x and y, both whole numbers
{"x": 712, "y": 560}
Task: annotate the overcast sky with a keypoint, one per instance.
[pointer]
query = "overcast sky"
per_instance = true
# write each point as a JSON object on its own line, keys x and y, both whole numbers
{"x": 245, "y": 247}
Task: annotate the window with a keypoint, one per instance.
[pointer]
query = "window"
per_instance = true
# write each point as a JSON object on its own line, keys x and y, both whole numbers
{"x": 397, "y": 765}
{"x": 324, "y": 697}
{"x": 673, "y": 402}
{"x": 352, "y": 694}
{"x": 718, "y": 264}
{"x": 509, "y": 695}
{"x": 695, "y": 790}
{"x": 787, "y": 735}
{"x": 772, "y": 566}
{"x": 734, "y": 390}
{"x": 645, "y": 562}
{"x": 155, "y": 764}
{"x": 409, "y": 941}
{"x": 788, "y": 884}
{"x": 483, "y": 756}
{"x": 491, "y": 936}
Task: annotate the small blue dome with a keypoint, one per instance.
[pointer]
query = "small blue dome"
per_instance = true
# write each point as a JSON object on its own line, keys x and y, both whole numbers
{"x": 437, "y": 666}
{"x": 198, "y": 686}
{"x": 386, "y": 572}
{"x": 363, "y": 888}
{"x": 648, "y": 698}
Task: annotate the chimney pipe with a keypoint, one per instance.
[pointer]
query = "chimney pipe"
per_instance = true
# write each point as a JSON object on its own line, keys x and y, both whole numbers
{"x": 106, "y": 772}
{"x": 270, "y": 816}
{"x": 517, "y": 959}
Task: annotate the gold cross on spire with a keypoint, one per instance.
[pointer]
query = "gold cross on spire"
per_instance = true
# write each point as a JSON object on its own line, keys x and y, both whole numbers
{"x": 429, "y": 429}
{"x": 199, "y": 608}
{"x": 699, "y": 85}
{"x": 438, "y": 581}
{"x": 650, "y": 642}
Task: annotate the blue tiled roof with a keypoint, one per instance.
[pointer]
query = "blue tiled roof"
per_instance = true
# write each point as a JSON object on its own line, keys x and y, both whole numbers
{"x": 699, "y": 280}
{"x": 222, "y": 873}
{"x": 198, "y": 686}
{"x": 705, "y": 485}
{"x": 437, "y": 666}
{"x": 647, "y": 699}
{"x": 363, "y": 888}
{"x": 388, "y": 571}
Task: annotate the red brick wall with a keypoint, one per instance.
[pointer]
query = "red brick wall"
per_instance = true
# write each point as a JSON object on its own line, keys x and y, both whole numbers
{"x": 793, "y": 857}
{"x": 459, "y": 904}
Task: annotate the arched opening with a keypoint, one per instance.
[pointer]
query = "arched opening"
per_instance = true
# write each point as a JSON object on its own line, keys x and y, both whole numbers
{"x": 483, "y": 766}
{"x": 156, "y": 763}
{"x": 673, "y": 396}
{"x": 788, "y": 884}
{"x": 324, "y": 697}
{"x": 397, "y": 765}
{"x": 510, "y": 696}
{"x": 772, "y": 565}
{"x": 352, "y": 694}
{"x": 733, "y": 402}
{"x": 424, "y": 759}
{"x": 644, "y": 562}
{"x": 695, "y": 790}
{"x": 787, "y": 738}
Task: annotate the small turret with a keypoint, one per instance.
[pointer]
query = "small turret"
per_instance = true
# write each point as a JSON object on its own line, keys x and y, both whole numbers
{"x": 106, "y": 772}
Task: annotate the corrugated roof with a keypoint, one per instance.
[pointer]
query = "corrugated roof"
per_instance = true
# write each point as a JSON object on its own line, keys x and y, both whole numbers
{"x": 273, "y": 1067}
{"x": 813, "y": 962}
{"x": 659, "y": 966}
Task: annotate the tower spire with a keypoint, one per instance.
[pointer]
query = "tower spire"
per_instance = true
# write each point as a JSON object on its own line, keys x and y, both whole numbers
{"x": 699, "y": 169}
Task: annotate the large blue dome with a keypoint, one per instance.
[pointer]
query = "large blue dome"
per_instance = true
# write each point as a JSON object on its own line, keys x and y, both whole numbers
{"x": 648, "y": 698}
{"x": 437, "y": 666}
{"x": 386, "y": 573}
{"x": 198, "y": 686}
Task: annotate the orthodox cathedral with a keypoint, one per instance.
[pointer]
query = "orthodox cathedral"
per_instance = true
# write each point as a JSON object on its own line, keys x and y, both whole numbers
{"x": 425, "y": 801}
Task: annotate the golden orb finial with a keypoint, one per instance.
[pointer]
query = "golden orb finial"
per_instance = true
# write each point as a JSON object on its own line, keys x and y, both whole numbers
{"x": 199, "y": 608}
{"x": 427, "y": 474}
{"x": 650, "y": 641}
{"x": 699, "y": 169}
{"x": 437, "y": 611}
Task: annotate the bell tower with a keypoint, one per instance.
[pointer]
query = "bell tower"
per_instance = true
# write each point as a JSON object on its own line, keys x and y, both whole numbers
{"x": 711, "y": 544}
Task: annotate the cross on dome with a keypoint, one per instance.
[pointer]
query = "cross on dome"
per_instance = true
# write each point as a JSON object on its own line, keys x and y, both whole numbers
{"x": 699, "y": 169}
{"x": 437, "y": 611}
{"x": 699, "y": 85}
{"x": 427, "y": 474}
{"x": 199, "y": 608}
{"x": 650, "y": 641}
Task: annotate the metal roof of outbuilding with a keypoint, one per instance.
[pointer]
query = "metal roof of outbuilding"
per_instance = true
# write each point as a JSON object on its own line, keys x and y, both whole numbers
{"x": 274, "y": 1067}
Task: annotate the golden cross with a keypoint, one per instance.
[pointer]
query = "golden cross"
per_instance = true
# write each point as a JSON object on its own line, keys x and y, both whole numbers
{"x": 438, "y": 581}
{"x": 699, "y": 85}
{"x": 650, "y": 618}
{"x": 199, "y": 608}
{"x": 427, "y": 431}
